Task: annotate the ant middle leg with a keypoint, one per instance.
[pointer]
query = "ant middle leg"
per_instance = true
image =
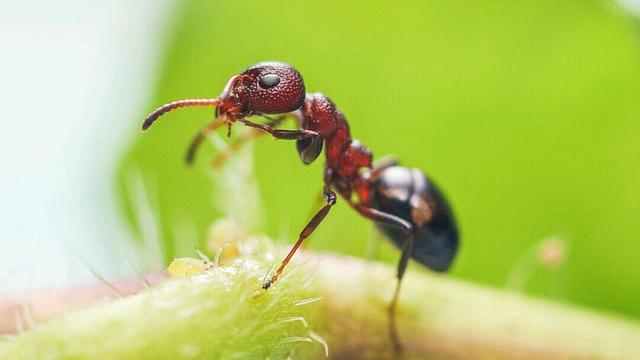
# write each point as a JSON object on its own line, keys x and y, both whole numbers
{"x": 317, "y": 201}
{"x": 311, "y": 226}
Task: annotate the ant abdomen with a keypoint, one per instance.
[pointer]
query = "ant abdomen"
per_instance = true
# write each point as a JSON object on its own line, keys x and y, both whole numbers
{"x": 410, "y": 195}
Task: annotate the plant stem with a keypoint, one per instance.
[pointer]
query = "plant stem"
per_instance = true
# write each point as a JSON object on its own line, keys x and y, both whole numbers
{"x": 220, "y": 314}
{"x": 439, "y": 317}
{"x": 223, "y": 314}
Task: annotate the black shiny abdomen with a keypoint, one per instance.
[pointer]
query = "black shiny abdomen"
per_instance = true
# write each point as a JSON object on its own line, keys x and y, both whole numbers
{"x": 399, "y": 191}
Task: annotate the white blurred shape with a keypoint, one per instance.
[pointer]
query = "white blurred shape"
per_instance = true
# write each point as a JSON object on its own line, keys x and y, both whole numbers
{"x": 73, "y": 76}
{"x": 632, "y": 6}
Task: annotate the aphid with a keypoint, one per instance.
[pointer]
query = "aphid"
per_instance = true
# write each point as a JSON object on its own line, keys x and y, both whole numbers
{"x": 188, "y": 267}
{"x": 403, "y": 202}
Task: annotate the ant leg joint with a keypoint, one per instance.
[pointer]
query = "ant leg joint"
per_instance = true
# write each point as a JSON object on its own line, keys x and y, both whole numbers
{"x": 331, "y": 197}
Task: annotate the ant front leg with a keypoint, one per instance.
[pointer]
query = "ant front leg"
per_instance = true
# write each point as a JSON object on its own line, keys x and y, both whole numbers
{"x": 281, "y": 134}
{"x": 311, "y": 226}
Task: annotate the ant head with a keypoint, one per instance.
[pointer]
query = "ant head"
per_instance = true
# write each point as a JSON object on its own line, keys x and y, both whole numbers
{"x": 265, "y": 88}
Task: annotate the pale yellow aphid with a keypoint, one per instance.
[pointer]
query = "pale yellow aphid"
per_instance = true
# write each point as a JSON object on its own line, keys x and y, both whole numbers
{"x": 187, "y": 267}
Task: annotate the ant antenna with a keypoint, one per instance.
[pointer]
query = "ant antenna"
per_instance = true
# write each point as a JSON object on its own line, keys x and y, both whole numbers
{"x": 176, "y": 105}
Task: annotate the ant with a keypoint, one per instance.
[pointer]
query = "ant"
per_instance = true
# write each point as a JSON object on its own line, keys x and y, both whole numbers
{"x": 404, "y": 203}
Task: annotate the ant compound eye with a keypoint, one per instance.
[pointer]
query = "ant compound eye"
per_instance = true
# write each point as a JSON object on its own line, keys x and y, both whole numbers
{"x": 268, "y": 81}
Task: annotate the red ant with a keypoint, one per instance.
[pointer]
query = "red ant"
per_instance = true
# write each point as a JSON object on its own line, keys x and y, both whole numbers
{"x": 405, "y": 205}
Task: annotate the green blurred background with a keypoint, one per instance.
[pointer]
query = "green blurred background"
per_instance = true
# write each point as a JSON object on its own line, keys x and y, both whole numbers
{"x": 526, "y": 113}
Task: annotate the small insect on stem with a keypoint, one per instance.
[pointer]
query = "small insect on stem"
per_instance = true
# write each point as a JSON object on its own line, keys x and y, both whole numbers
{"x": 404, "y": 203}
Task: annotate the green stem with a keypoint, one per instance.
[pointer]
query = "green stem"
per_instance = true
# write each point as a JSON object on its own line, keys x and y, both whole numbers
{"x": 224, "y": 314}
{"x": 439, "y": 317}
{"x": 221, "y": 314}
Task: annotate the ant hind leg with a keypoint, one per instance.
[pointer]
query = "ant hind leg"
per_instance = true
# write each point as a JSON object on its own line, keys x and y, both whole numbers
{"x": 402, "y": 267}
{"x": 407, "y": 248}
{"x": 382, "y": 164}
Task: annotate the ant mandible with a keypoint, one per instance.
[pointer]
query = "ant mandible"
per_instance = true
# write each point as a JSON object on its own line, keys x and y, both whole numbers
{"x": 404, "y": 204}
